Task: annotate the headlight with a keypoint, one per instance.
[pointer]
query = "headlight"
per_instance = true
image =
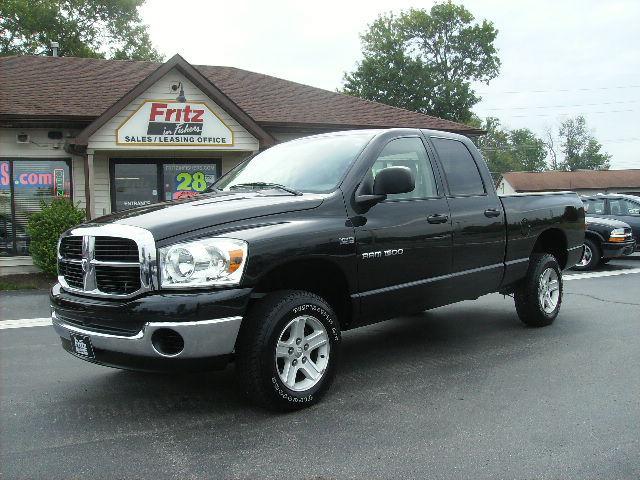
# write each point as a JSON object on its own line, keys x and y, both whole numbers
{"x": 617, "y": 235}
{"x": 203, "y": 263}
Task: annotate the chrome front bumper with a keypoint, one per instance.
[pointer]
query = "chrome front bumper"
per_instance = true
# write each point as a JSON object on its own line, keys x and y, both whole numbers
{"x": 202, "y": 339}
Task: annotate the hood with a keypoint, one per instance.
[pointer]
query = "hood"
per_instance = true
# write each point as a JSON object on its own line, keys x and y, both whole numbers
{"x": 168, "y": 219}
{"x": 606, "y": 222}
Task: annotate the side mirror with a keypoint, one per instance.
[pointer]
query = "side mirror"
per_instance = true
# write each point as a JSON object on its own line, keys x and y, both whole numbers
{"x": 392, "y": 180}
{"x": 388, "y": 181}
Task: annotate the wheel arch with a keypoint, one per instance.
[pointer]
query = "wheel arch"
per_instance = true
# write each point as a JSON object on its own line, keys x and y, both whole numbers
{"x": 594, "y": 236}
{"x": 317, "y": 275}
{"x": 554, "y": 242}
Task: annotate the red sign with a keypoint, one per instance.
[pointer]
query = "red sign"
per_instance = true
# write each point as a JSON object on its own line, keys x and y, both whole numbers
{"x": 160, "y": 112}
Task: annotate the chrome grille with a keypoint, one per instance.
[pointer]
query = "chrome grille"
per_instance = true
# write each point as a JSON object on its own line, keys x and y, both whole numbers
{"x": 118, "y": 280}
{"x": 72, "y": 273}
{"x": 107, "y": 261}
{"x": 71, "y": 248}
{"x": 116, "y": 249}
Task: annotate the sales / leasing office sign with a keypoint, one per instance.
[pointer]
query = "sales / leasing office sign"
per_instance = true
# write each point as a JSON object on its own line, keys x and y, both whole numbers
{"x": 169, "y": 123}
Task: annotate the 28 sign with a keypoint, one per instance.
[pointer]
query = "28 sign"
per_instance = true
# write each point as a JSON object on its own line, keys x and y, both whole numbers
{"x": 196, "y": 182}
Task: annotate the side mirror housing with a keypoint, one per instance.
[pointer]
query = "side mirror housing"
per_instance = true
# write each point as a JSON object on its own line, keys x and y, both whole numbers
{"x": 393, "y": 180}
{"x": 388, "y": 181}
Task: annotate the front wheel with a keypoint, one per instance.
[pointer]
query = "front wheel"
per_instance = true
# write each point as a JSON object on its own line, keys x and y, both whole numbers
{"x": 288, "y": 350}
{"x": 590, "y": 257}
{"x": 539, "y": 295}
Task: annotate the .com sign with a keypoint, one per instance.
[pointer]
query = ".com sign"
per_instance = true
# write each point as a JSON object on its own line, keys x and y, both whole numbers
{"x": 25, "y": 179}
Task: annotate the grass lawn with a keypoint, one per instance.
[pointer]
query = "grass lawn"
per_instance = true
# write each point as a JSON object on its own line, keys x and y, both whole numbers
{"x": 39, "y": 281}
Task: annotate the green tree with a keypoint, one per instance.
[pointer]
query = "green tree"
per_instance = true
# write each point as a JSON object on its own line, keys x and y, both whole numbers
{"x": 529, "y": 152}
{"x": 511, "y": 150}
{"x": 580, "y": 148}
{"x": 83, "y": 28}
{"x": 495, "y": 147}
{"x": 425, "y": 61}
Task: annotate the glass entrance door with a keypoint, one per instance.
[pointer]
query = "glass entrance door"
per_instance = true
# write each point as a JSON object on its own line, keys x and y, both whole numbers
{"x": 135, "y": 185}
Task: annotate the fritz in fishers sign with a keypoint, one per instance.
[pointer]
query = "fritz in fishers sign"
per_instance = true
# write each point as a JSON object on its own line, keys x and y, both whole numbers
{"x": 174, "y": 122}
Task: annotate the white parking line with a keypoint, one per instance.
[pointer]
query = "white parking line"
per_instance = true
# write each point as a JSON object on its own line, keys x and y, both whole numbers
{"x": 25, "y": 322}
{"x": 583, "y": 276}
{"x": 43, "y": 322}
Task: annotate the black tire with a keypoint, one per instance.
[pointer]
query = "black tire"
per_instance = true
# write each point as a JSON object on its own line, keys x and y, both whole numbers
{"x": 527, "y": 293}
{"x": 592, "y": 253}
{"x": 256, "y": 349}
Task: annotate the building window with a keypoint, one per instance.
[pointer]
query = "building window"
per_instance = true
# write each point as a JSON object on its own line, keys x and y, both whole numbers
{"x": 24, "y": 185}
{"x": 138, "y": 182}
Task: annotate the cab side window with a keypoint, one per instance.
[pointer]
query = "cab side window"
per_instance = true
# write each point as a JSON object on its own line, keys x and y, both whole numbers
{"x": 460, "y": 168}
{"x": 407, "y": 152}
{"x": 620, "y": 206}
{"x": 594, "y": 207}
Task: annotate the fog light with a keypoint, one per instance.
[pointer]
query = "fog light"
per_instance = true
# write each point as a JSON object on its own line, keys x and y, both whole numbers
{"x": 167, "y": 342}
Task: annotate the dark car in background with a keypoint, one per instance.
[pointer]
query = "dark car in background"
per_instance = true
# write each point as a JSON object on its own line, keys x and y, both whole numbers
{"x": 617, "y": 206}
{"x": 605, "y": 239}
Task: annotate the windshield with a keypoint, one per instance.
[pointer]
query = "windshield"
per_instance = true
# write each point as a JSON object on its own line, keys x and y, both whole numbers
{"x": 313, "y": 164}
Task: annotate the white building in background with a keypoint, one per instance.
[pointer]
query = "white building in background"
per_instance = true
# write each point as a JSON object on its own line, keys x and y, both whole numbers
{"x": 584, "y": 182}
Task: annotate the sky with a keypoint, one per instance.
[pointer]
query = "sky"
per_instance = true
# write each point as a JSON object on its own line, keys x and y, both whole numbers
{"x": 559, "y": 58}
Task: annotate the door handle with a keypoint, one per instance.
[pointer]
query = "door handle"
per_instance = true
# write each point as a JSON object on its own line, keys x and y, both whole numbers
{"x": 491, "y": 212}
{"x": 437, "y": 218}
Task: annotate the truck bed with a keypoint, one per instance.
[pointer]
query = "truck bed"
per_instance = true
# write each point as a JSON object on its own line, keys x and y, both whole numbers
{"x": 527, "y": 215}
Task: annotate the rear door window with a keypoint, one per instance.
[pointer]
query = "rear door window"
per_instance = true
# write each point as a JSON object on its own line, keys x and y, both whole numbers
{"x": 460, "y": 168}
{"x": 621, "y": 206}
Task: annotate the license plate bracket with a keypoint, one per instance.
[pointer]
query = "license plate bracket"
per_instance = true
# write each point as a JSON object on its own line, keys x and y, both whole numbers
{"x": 81, "y": 345}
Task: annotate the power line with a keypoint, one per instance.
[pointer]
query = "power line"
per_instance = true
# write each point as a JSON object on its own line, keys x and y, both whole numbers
{"x": 562, "y": 90}
{"x": 565, "y": 106}
{"x": 532, "y": 146}
{"x": 570, "y": 113}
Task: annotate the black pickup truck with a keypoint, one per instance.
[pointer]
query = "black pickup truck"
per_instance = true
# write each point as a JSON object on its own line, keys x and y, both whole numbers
{"x": 300, "y": 242}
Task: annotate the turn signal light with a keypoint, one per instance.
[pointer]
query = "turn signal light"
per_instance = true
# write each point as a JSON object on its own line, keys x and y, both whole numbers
{"x": 618, "y": 235}
{"x": 235, "y": 260}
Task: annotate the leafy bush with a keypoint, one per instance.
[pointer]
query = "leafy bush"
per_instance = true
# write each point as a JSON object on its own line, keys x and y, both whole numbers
{"x": 46, "y": 226}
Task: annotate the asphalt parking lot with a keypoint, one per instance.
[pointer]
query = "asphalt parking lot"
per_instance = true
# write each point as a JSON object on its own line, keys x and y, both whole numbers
{"x": 464, "y": 391}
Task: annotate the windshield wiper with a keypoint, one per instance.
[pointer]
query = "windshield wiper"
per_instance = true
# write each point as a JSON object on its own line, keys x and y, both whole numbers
{"x": 261, "y": 185}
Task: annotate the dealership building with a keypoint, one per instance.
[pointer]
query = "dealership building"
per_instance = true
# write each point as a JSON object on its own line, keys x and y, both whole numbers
{"x": 113, "y": 134}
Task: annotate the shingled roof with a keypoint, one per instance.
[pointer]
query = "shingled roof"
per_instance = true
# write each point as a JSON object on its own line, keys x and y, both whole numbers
{"x": 581, "y": 179}
{"x": 81, "y": 89}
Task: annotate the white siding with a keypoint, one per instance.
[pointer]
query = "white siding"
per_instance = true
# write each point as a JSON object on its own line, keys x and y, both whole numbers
{"x": 101, "y": 185}
{"x": 40, "y": 145}
{"x": 505, "y": 188}
{"x": 105, "y": 137}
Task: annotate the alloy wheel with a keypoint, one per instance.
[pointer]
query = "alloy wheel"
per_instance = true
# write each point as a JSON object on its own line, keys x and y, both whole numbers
{"x": 549, "y": 290}
{"x": 302, "y": 353}
{"x": 587, "y": 256}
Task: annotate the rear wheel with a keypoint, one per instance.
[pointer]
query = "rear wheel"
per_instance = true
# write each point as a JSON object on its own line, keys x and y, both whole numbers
{"x": 288, "y": 350}
{"x": 539, "y": 295}
{"x": 591, "y": 257}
